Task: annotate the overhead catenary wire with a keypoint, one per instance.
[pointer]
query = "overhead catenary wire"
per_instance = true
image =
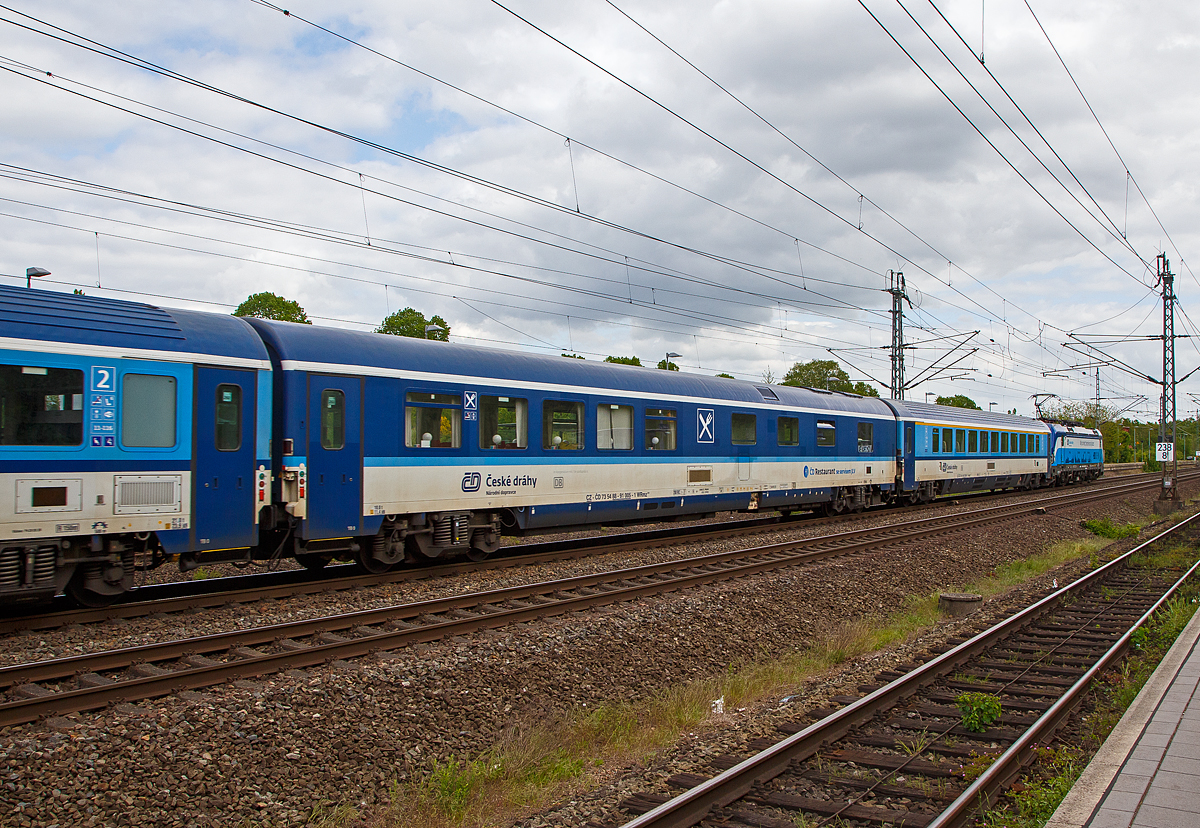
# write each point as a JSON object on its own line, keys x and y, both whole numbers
{"x": 912, "y": 58}
{"x": 757, "y": 270}
{"x": 861, "y": 196}
{"x": 1115, "y": 231}
{"x": 1129, "y": 175}
{"x": 143, "y": 64}
{"x": 733, "y": 150}
{"x": 714, "y": 257}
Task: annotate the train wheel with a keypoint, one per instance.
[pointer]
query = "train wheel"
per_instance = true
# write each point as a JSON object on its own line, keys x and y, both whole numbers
{"x": 313, "y": 561}
{"x": 369, "y": 563}
{"x": 80, "y": 592}
{"x": 483, "y": 543}
{"x": 379, "y": 554}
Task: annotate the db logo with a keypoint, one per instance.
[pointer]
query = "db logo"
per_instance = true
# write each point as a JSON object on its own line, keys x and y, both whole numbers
{"x": 471, "y": 481}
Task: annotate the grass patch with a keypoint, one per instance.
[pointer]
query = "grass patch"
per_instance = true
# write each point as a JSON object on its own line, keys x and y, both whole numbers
{"x": 333, "y": 816}
{"x": 1176, "y": 558}
{"x": 203, "y": 573}
{"x": 540, "y": 762}
{"x": 1105, "y": 528}
{"x": 1014, "y": 573}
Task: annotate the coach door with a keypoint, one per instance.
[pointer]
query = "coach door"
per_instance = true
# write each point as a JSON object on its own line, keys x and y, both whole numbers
{"x": 334, "y": 457}
{"x": 910, "y": 457}
{"x": 223, "y": 451}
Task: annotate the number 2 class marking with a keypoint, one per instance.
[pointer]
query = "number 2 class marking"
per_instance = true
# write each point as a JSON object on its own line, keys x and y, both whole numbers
{"x": 102, "y": 378}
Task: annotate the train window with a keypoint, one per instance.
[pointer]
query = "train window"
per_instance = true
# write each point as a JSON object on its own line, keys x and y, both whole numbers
{"x": 614, "y": 427}
{"x": 147, "y": 411}
{"x": 1039, "y": 444}
{"x": 333, "y": 419}
{"x": 229, "y": 417}
{"x": 432, "y": 420}
{"x": 660, "y": 429}
{"x": 503, "y": 422}
{"x": 562, "y": 424}
{"x": 743, "y": 429}
{"x": 973, "y": 441}
{"x": 866, "y": 438}
{"x": 995, "y": 442}
{"x": 40, "y": 406}
{"x": 1024, "y": 447}
{"x": 936, "y": 442}
{"x": 826, "y": 433}
{"x": 960, "y": 440}
{"x": 789, "y": 431}
{"x": 1004, "y": 442}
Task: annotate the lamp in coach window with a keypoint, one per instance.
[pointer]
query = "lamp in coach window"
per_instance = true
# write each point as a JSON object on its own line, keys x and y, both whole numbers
{"x": 32, "y": 273}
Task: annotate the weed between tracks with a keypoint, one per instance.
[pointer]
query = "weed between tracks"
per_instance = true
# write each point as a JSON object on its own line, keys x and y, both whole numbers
{"x": 536, "y": 765}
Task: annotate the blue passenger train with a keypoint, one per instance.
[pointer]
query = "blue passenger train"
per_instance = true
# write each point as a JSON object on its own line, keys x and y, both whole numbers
{"x": 131, "y": 435}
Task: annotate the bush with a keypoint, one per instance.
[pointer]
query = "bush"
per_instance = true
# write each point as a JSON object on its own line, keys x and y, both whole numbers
{"x": 1105, "y": 528}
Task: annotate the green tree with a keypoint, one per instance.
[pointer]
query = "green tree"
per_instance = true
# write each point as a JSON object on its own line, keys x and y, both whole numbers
{"x": 727, "y": 376}
{"x": 573, "y": 356}
{"x": 826, "y": 374}
{"x": 410, "y": 322}
{"x": 269, "y": 306}
{"x": 624, "y": 360}
{"x": 663, "y": 365}
{"x": 958, "y": 401}
{"x": 1086, "y": 412}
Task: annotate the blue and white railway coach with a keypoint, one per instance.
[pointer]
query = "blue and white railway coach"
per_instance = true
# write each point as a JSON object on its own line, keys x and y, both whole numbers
{"x": 961, "y": 450}
{"x": 128, "y": 433}
{"x": 1076, "y": 453}
{"x": 392, "y": 444}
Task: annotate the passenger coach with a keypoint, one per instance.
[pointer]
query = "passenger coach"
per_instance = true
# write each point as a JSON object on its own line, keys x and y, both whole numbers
{"x": 393, "y": 443}
{"x": 961, "y": 450}
{"x": 127, "y": 433}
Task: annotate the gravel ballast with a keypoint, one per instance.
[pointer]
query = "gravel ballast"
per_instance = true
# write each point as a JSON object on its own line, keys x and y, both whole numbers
{"x": 270, "y": 750}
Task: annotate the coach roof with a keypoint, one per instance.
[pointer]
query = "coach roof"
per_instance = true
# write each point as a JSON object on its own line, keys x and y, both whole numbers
{"x": 42, "y": 315}
{"x": 338, "y": 350}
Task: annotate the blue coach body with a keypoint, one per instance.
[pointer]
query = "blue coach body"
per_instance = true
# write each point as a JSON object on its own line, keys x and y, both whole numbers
{"x": 448, "y": 443}
{"x": 959, "y": 449}
{"x": 110, "y": 413}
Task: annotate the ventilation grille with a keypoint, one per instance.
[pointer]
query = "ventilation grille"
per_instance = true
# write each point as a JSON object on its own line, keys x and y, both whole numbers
{"x": 146, "y": 494}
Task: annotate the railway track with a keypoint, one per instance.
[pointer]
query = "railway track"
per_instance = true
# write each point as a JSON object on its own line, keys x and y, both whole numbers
{"x": 193, "y": 595}
{"x": 86, "y": 682}
{"x": 901, "y": 755}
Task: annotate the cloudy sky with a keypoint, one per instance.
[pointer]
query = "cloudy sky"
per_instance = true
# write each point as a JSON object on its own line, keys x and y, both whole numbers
{"x": 729, "y": 181}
